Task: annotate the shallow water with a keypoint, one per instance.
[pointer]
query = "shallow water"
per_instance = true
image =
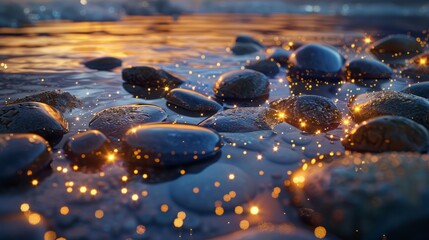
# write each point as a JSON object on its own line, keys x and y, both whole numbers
{"x": 48, "y": 56}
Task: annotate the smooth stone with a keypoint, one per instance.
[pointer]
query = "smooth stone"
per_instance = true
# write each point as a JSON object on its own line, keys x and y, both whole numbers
{"x": 418, "y": 89}
{"x": 16, "y": 226}
{"x": 370, "y": 105}
{"x": 267, "y": 66}
{"x": 297, "y": 139}
{"x": 366, "y": 196}
{"x": 33, "y": 117}
{"x": 279, "y": 55}
{"x": 246, "y": 119}
{"x": 22, "y": 155}
{"x": 103, "y": 63}
{"x": 309, "y": 113}
{"x": 57, "y": 98}
{"x": 90, "y": 148}
{"x": 150, "y": 77}
{"x": 192, "y": 101}
{"x": 242, "y": 84}
{"x": 114, "y": 122}
{"x": 204, "y": 201}
{"x": 367, "y": 69}
{"x": 418, "y": 73}
{"x": 394, "y": 47}
{"x": 388, "y": 133}
{"x": 243, "y": 38}
{"x": 284, "y": 155}
{"x": 144, "y": 92}
{"x": 314, "y": 61}
{"x": 245, "y": 48}
{"x": 169, "y": 145}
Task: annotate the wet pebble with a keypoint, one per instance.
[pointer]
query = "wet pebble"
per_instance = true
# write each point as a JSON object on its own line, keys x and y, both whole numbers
{"x": 169, "y": 145}
{"x": 88, "y": 149}
{"x": 33, "y": 117}
{"x": 388, "y": 133}
{"x": 279, "y": 55}
{"x": 366, "y": 196}
{"x": 245, "y": 48}
{"x": 200, "y": 192}
{"x": 418, "y": 73}
{"x": 367, "y": 69}
{"x": 246, "y": 119}
{"x": 309, "y": 113}
{"x": 283, "y": 155}
{"x": 396, "y": 47}
{"x": 370, "y": 105}
{"x": 192, "y": 101}
{"x": 418, "y": 89}
{"x": 242, "y": 84}
{"x": 243, "y": 38}
{"x": 22, "y": 155}
{"x": 103, "y": 63}
{"x": 267, "y": 66}
{"x": 114, "y": 122}
{"x": 297, "y": 139}
{"x": 58, "y": 99}
{"x": 315, "y": 61}
{"x": 150, "y": 77}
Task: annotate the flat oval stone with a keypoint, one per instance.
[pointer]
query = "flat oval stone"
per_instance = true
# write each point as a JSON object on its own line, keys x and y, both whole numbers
{"x": 388, "y": 133}
{"x": 191, "y": 100}
{"x": 309, "y": 113}
{"x": 313, "y": 61}
{"x": 245, "y": 119}
{"x": 21, "y": 155}
{"x": 90, "y": 148}
{"x": 279, "y": 55}
{"x": 396, "y": 47}
{"x": 242, "y": 84}
{"x": 115, "y": 121}
{"x": 366, "y": 196}
{"x": 370, "y": 105}
{"x": 418, "y": 89}
{"x": 183, "y": 190}
{"x": 243, "y": 38}
{"x": 245, "y": 48}
{"x": 169, "y": 145}
{"x": 267, "y": 66}
{"x": 57, "y": 98}
{"x": 367, "y": 69}
{"x": 33, "y": 117}
{"x": 103, "y": 63}
{"x": 150, "y": 77}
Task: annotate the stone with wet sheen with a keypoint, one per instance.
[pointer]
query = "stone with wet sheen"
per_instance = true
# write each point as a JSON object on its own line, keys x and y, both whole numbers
{"x": 56, "y": 98}
{"x": 267, "y": 66}
{"x": 417, "y": 73}
{"x": 90, "y": 148}
{"x": 279, "y": 55}
{"x": 370, "y": 105}
{"x": 396, "y": 47}
{"x": 33, "y": 117}
{"x": 192, "y": 101}
{"x": 22, "y": 154}
{"x": 315, "y": 61}
{"x": 367, "y": 69}
{"x": 150, "y": 77}
{"x": 418, "y": 89}
{"x": 242, "y": 84}
{"x": 309, "y": 113}
{"x": 366, "y": 196}
{"x": 114, "y": 122}
{"x": 245, "y": 48}
{"x": 169, "y": 145}
{"x": 388, "y": 133}
{"x": 244, "y": 119}
{"x": 243, "y": 38}
{"x": 103, "y": 63}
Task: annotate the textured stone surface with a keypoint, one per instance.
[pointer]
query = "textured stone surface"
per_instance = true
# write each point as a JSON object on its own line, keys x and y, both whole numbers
{"x": 57, "y": 98}
{"x": 418, "y": 89}
{"x": 367, "y": 69}
{"x": 394, "y": 47}
{"x": 150, "y": 77}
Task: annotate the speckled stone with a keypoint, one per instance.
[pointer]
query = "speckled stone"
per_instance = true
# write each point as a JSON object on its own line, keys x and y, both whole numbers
{"x": 169, "y": 145}
{"x": 192, "y": 101}
{"x": 309, "y": 113}
{"x": 242, "y": 84}
{"x": 370, "y": 105}
{"x": 367, "y": 69}
{"x": 245, "y": 119}
{"x": 366, "y": 196}
{"x": 33, "y": 117}
{"x": 394, "y": 47}
{"x": 103, "y": 63}
{"x": 266, "y": 66}
{"x": 388, "y": 133}
{"x": 150, "y": 77}
{"x": 114, "y": 122}
{"x": 21, "y": 154}
{"x": 57, "y": 98}
{"x": 418, "y": 89}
